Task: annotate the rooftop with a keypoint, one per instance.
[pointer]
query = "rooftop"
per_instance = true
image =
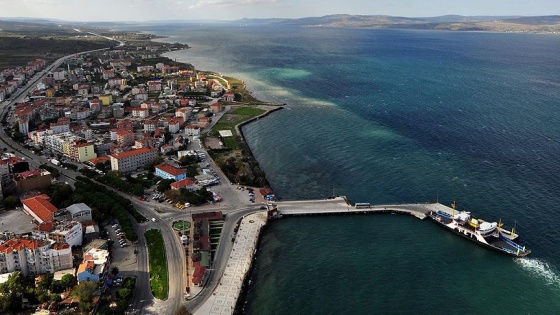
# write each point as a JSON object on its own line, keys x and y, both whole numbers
{"x": 124, "y": 155}
{"x": 41, "y": 206}
{"x": 169, "y": 169}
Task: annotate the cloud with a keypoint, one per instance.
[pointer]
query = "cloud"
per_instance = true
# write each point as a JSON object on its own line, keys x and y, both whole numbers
{"x": 225, "y": 3}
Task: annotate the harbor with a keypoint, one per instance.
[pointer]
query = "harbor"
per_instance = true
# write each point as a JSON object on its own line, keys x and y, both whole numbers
{"x": 226, "y": 294}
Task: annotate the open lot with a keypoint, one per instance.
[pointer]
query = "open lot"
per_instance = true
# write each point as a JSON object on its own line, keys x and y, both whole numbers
{"x": 15, "y": 221}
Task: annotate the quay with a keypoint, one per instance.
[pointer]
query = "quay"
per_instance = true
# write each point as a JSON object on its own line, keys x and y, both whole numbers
{"x": 340, "y": 205}
{"x": 226, "y": 294}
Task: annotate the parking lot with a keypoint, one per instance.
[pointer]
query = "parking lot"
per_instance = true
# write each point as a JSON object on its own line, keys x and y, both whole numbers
{"x": 122, "y": 250}
{"x": 15, "y": 221}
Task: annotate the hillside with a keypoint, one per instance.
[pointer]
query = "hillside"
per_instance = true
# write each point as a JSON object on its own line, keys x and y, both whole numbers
{"x": 534, "y": 24}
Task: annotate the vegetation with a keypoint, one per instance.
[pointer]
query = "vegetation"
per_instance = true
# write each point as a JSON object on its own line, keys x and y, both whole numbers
{"x": 241, "y": 94}
{"x": 55, "y": 173}
{"x": 182, "y": 310}
{"x": 84, "y": 291}
{"x": 181, "y": 225}
{"x": 158, "y": 264}
{"x": 237, "y": 162}
{"x": 18, "y": 50}
{"x": 10, "y": 202}
{"x": 104, "y": 203}
{"x": 18, "y": 287}
{"x": 196, "y": 198}
{"x": 124, "y": 295}
{"x": 115, "y": 180}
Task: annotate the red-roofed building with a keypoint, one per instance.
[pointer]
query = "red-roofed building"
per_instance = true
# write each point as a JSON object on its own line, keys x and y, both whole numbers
{"x": 187, "y": 183}
{"x": 101, "y": 159}
{"x": 125, "y": 138}
{"x": 169, "y": 172}
{"x": 133, "y": 159}
{"x": 33, "y": 256}
{"x": 39, "y": 208}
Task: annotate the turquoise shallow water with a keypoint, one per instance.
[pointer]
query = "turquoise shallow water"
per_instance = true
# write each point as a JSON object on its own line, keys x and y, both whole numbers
{"x": 391, "y": 117}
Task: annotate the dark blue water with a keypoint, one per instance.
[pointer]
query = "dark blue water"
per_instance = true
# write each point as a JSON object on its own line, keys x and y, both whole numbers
{"x": 391, "y": 117}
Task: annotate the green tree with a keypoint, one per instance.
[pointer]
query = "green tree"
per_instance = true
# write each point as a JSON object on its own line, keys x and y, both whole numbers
{"x": 182, "y": 310}
{"x": 67, "y": 280}
{"x": 46, "y": 282}
{"x": 84, "y": 291}
{"x": 151, "y": 166}
{"x": 165, "y": 184}
{"x": 11, "y": 292}
{"x": 10, "y": 202}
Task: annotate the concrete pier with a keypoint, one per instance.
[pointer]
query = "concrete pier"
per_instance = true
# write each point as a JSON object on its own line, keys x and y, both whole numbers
{"x": 340, "y": 205}
{"x": 224, "y": 298}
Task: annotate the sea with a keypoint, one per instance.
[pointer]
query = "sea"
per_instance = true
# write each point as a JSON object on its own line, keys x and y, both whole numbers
{"x": 398, "y": 116}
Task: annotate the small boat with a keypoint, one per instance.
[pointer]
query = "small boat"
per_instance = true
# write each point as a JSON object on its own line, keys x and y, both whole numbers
{"x": 487, "y": 234}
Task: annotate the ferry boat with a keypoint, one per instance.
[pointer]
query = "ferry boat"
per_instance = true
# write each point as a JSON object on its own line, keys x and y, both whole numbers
{"x": 488, "y": 234}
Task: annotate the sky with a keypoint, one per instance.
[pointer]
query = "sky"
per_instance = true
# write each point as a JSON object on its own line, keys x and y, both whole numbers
{"x": 144, "y": 10}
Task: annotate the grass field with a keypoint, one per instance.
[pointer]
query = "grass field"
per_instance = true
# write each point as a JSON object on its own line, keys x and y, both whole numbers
{"x": 247, "y": 111}
{"x": 232, "y": 119}
{"x": 181, "y": 225}
{"x": 158, "y": 264}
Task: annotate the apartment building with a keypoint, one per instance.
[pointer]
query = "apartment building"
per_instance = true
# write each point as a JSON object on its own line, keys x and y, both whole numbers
{"x": 132, "y": 160}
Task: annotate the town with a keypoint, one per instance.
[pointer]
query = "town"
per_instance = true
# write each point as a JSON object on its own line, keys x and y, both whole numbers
{"x": 87, "y": 143}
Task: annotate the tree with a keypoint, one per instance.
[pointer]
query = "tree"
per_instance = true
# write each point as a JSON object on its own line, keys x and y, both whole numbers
{"x": 84, "y": 291}
{"x": 165, "y": 184}
{"x": 182, "y": 310}
{"x": 67, "y": 280}
{"x": 46, "y": 282}
{"x": 10, "y": 202}
{"x": 11, "y": 292}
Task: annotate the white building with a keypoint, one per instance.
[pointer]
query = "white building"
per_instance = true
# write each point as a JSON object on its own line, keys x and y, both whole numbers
{"x": 23, "y": 125}
{"x": 140, "y": 112}
{"x": 133, "y": 159}
{"x": 33, "y": 256}
{"x": 192, "y": 130}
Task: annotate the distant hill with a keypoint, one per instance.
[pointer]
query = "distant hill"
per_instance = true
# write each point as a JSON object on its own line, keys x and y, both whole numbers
{"x": 531, "y": 24}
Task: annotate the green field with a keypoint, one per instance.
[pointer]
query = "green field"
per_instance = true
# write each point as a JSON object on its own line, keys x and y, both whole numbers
{"x": 247, "y": 111}
{"x": 158, "y": 264}
{"x": 181, "y": 225}
{"x": 232, "y": 119}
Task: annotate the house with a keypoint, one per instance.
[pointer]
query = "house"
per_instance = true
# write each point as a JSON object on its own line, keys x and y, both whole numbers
{"x": 216, "y": 107}
{"x": 140, "y": 112}
{"x": 192, "y": 130}
{"x": 174, "y": 124}
{"x": 154, "y": 86}
{"x": 229, "y": 96}
{"x": 166, "y": 148}
{"x": 106, "y": 99}
{"x": 169, "y": 172}
{"x": 125, "y": 138}
{"x": 108, "y": 74}
{"x": 94, "y": 267}
{"x": 150, "y": 125}
{"x": 187, "y": 183}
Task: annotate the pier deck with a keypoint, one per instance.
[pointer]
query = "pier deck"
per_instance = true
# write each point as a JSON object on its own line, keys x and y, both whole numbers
{"x": 339, "y": 205}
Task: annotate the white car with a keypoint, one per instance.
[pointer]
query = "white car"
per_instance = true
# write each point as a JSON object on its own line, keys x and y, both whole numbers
{"x": 154, "y": 219}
